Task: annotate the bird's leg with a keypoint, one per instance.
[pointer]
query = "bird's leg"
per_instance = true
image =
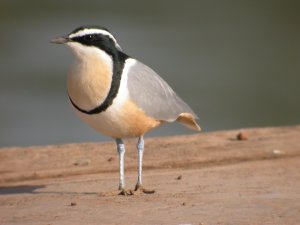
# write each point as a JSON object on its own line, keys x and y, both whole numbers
{"x": 140, "y": 150}
{"x": 121, "y": 152}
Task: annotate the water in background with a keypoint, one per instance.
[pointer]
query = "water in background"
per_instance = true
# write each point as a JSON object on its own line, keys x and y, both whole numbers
{"x": 235, "y": 63}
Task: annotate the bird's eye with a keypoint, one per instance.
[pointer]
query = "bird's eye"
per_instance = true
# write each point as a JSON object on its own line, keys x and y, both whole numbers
{"x": 89, "y": 37}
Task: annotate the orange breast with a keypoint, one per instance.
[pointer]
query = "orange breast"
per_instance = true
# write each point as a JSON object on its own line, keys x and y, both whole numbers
{"x": 89, "y": 82}
{"x": 135, "y": 121}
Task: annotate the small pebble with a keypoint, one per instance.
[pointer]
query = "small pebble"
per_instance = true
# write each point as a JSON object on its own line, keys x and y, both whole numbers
{"x": 242, "y": 136}
{"x": 179, "y": 177}
{"x": 82, "y": 162}
{"x": 183, "y": 204}
{"x": 110, "y": 159}
{"x": 277, "y": 152}
{"x": 73, "y": 204}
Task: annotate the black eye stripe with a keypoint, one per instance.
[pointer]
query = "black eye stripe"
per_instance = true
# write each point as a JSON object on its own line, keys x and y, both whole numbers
{"x": 93, "y": 39}
{"x": 98, "y": 40}
{"x": 90, "y": 37}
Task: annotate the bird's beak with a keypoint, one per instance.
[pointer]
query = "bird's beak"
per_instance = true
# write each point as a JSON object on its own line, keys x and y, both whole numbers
{"x": 60, "y": 40}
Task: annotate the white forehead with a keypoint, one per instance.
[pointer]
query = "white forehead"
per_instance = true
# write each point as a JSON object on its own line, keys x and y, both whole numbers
{"x": 92, "y": 31}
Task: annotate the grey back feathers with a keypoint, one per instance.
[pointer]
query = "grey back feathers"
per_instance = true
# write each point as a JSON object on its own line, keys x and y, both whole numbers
{"x": 153, "y": 95}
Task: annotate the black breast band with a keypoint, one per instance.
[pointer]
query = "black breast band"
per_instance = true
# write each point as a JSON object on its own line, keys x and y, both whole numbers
{"x": 118, "y": 65}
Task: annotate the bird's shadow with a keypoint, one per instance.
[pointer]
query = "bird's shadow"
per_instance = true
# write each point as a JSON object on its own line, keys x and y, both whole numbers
{"x": 23, "y": 189}
{"x": 32, "y": 189}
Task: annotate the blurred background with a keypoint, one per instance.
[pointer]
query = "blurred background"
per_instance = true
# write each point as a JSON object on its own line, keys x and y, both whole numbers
{"x": 235, "y": 62}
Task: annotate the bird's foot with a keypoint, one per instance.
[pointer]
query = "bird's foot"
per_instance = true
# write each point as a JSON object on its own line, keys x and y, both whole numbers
{"x": 140, "y": 189}
{"x": 125, "y": 192}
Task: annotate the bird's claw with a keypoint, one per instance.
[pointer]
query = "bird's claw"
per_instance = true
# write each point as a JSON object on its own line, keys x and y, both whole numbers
{"x": 139, "y": 188}
{"x": 126, "y": 192}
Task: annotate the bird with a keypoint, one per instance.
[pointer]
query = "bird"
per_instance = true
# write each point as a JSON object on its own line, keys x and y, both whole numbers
{"x": 119, "y": 96}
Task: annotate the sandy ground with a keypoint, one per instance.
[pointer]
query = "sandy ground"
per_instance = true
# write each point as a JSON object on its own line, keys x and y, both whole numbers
{"x": 208, "y": 178}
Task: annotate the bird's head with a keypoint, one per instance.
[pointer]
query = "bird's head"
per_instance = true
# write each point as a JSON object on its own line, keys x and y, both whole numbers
{"x": 86, "y": 38}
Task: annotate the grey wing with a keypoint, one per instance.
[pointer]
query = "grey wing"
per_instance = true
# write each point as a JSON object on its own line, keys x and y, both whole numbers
{"x": 153, "y": 95}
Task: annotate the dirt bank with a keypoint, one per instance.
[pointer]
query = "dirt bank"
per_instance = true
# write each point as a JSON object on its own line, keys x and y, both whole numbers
{"x": 208, "y": 178}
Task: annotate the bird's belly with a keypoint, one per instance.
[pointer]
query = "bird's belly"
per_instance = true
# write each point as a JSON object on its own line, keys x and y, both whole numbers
{"x": 122, "y": 121}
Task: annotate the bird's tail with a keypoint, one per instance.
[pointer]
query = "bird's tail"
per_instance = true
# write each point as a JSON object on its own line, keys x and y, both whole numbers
{"x": 188, "y": 120}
